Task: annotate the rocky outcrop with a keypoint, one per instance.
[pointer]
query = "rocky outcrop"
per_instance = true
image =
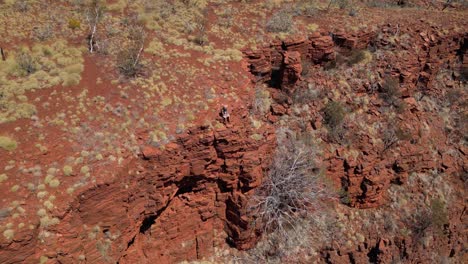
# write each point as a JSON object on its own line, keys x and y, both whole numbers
{"x": 172, "y": 204}
{"x": 280, "y": 62}
{"x": 292, "y": 71}
{"x": 321, "y": 49}
{"x": 360, "y": 40}
{"x": 366, "y": 172}
{"x": 425, "y": 54}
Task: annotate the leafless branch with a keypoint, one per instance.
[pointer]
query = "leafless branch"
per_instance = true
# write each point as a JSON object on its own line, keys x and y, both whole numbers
{"x": 292, "y": 190}
{"x": 93, "y": 13}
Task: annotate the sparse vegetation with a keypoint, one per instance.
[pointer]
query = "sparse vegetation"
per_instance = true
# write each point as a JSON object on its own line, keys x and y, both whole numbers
{"x": 77, "y": 134}
{"x": 304, "y": 96}
{"x": 22, "y": 5}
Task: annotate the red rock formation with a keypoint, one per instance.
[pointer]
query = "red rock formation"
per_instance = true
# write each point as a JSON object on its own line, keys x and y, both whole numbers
{"x": 259, "y": 63}
{"x": 428, "y": 51}
{"x": 171, "y": 204}
{"x": 359, "y": 40}
{"x": 271, "y": 62}
{"x": 367, "y": 176}
{"x": 292, "y": 71}
{"x": 321, "y": 49}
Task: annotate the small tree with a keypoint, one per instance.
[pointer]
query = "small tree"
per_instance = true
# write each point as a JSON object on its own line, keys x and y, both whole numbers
{"x": 128, "y": 59}
{"x": 94, "y": 11}
{"x": 390, "y": 138}
{"x": 334, "y": 115}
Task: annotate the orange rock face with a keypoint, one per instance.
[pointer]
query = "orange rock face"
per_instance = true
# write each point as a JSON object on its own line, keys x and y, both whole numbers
{"x": 170, "y": 205}
{"x": 281, "y": 62}
{"x": 367, "y": 176}
{"x": 364, "y": 166}
{"x": 185, "y": 200}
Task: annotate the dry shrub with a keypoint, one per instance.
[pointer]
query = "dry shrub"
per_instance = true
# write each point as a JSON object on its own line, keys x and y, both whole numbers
{"x": 26, "y": 62}
{"x": 358, "y": 56}
{"x": 390, "y": 90}
{"x": 280, "y": 22}
{"x": 306, "y": 95}
{"x": 392, "y": 135}
{"x": 43, "y": 33}
{"x": 22, "y": 5}
{"x": 74, "y": 23}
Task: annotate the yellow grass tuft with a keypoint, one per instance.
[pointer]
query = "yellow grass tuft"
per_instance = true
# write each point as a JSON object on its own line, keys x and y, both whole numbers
{"x": 7, "y": 143}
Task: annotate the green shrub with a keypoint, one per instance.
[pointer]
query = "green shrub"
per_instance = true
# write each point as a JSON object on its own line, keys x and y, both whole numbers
{"x": 334, "y": 114}
{"x": 359, "y": 56}
{"x": 390, "y": 90}
{"x": 439, "y": 215}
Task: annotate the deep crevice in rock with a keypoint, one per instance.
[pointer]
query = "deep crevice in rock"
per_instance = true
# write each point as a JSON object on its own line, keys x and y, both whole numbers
{"x": 373, "y": 255}
{"x": 276, "y": 77}
{"x": 147, "y": 223}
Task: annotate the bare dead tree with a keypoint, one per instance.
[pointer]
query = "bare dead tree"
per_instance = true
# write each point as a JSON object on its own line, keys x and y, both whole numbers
{"x": 94, "y": 12}
{"x": 291, "y": 192}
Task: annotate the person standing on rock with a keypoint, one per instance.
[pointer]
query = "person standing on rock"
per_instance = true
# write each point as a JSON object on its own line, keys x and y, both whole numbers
{"x": 225, "y": 114}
